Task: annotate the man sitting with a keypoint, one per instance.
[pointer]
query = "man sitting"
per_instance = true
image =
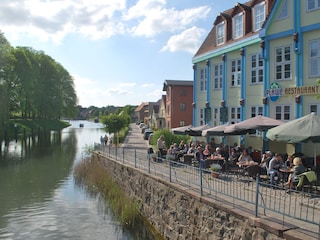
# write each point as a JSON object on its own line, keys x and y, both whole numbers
{"x": 275, "y": 164}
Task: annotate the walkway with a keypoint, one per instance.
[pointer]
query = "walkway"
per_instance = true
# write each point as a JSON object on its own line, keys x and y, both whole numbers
{"x": 135, "y": 140}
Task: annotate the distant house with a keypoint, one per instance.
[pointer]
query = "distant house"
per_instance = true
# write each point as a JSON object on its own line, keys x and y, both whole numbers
{"x": 179, "y": 97}
{"x": 143, "y": 112}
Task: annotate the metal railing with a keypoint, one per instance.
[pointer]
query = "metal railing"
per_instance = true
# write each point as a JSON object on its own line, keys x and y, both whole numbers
{"x": 252, "y": 194}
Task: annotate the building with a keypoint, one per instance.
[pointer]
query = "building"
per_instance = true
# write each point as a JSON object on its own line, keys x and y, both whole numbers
{"x": 261, "y": 57}
{"x": 179, "y": 98}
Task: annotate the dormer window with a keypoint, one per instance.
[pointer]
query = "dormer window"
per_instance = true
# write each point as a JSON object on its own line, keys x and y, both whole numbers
{"x": 259, "y": 15}
{"x": 238, "y": 26}
{"x": 220, "y": 33}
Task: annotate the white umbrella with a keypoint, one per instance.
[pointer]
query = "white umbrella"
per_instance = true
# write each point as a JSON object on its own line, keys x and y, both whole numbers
{"x": 300, "y": 130}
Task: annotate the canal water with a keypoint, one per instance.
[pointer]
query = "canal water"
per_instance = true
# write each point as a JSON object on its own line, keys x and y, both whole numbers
{"x": 38, "y": 195}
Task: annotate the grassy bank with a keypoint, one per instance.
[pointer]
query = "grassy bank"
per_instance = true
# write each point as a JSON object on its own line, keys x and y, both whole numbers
{"x": 90, "y": 173}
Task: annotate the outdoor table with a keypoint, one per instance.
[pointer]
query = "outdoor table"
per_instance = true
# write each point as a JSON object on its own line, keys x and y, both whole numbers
{"x": 188, "y": 158}
{"x": 246, "y": 163}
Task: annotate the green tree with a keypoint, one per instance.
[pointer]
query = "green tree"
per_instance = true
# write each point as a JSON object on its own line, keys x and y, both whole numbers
{"x": 114, "y": 123}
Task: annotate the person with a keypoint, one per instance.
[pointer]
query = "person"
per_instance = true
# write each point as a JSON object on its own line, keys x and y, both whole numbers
{"x": 207, "y": 152}
{"x": 106, "y": 139}
{"x": 297, "y": 170}
{"x": 200, "y": 157}
{"x": 245, "y": 156}
{"x": 264, "y": 165}
{"x": 232, "y": 159}
{"x": 289, "y": 162}
{"x": 160, "y": 145}
{"x": 275, "y": 164}
{"x": 192, "y": 149}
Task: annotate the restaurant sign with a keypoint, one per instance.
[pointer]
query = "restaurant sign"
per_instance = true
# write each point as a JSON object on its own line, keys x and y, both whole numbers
{"x": 275, "y": 91}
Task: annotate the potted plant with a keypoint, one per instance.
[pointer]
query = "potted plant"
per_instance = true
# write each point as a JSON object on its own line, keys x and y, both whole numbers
{"x": 215, "y": 169}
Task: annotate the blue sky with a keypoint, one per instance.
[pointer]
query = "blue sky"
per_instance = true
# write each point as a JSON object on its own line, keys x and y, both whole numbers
{"x": 119, "y": 52}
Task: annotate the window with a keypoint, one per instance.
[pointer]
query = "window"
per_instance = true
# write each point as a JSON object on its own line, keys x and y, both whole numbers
{"x": 238, "y": 26}
{"x": 201, "y": 116}
{"x": 259, "y": 15}
{"x": 313, "y": 5}
{"x": 256, "y": 69}
{"x": 215, "y": 116}
{"x": 217, "y": 76}
{"x": 183, "y": 92}
{"x": 182, "y": 123}
{"x": 203, "y": 79}
{"x": 220, "y": 33}
{"x": 315, "y": 108}
{"x": 283, "y": 63}
{"x": 235, "y": 72}
{"x": 256, "y": 111}
{"x": 283, "y": 112}
{"x": 283, "y": 13}
{"x": 235, "y": 115}
{"x": 182, "y": 107}
{"x": 314, "y": 58}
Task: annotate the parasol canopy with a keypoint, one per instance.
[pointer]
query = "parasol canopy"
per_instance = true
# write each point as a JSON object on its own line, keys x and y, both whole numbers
{"x": 259, "y": 122}
{"x": 180, "y": 130}
{"x": 196, "y": 131}
{"x": 300, "y": 130}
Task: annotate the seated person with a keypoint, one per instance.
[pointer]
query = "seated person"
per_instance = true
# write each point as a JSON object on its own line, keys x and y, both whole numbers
{"x": 275, "y": 164}
{"x": 200, "y": 157}
{"x": 245, "y": 156}
{"x": 192, "y": 149}
{"x": 207, "y": 152}
{"x": 289, "y": 161}
{"x": 298, "y": 169}
{"x": 232, "y": 159}
{"x": 266, "y": 157}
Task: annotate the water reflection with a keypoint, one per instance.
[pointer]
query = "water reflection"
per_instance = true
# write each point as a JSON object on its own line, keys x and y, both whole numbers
{"x": 39, "y": 198}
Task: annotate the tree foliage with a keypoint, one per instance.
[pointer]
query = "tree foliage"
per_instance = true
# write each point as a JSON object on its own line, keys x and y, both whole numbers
{"x": 114, "y": 123}
{"x": 33, "y": 85}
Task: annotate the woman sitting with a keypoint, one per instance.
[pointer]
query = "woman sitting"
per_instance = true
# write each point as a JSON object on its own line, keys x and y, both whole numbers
{"x": 245, "y": 156}
{"x": 297, "y": 170}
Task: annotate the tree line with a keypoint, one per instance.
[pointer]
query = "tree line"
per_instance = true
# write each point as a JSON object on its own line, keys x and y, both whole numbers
{"x": 33, "y": 85}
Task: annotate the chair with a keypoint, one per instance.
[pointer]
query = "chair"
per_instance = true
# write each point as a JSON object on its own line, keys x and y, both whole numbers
{"x": 253, "y": 171}
{"x": 307, "y": 179}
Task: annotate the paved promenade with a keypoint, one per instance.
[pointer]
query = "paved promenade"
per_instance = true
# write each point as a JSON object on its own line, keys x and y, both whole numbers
{"x": 135, "y": 140}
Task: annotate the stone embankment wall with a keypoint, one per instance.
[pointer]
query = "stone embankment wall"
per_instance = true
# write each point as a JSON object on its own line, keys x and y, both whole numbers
{"x": 179, "y": 213}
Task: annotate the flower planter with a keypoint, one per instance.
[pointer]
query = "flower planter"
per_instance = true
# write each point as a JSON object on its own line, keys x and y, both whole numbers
{"x": 214, "y": 174}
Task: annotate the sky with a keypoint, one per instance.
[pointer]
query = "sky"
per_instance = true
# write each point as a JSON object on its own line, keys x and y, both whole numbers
{"x": 119, "y": 52}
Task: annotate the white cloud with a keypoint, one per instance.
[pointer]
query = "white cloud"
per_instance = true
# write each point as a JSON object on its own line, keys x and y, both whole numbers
{"x": 188, "y": 40}
{"x": 95, "y": 19}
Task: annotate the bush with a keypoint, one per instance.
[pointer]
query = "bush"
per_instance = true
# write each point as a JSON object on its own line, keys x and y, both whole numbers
{"x": 169, "y": 138}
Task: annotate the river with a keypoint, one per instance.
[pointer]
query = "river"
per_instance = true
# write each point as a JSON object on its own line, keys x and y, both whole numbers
{"x": 39, "y": 198}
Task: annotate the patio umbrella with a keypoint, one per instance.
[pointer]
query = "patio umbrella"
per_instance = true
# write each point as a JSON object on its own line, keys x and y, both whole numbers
{"x": 180, "y": 130}
{"x": 259, "y": 122}
{"x": 301, "y": 130}
{"x": 196, "y": 131}
{"x": 215, "y": 131}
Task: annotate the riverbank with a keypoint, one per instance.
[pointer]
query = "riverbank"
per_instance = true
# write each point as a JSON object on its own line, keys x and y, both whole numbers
{"x": 22, "y": 126}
